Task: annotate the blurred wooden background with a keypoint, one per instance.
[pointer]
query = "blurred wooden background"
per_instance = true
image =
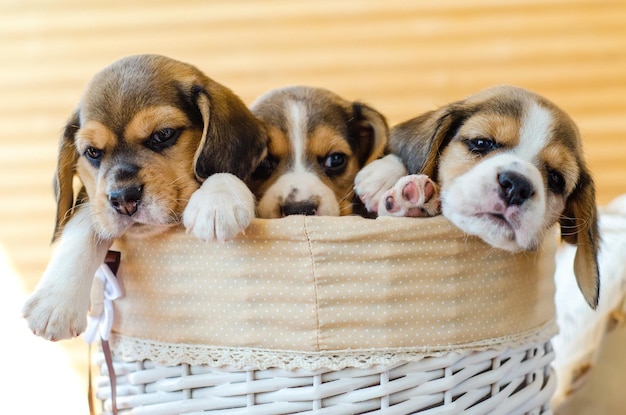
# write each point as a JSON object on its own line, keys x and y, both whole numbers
{"x": 401, "y": 57}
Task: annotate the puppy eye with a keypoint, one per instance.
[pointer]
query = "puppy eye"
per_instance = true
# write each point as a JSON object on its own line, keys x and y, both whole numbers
{"x": 265, "y": 168}
{"x": 334, "y": 163}
{"x": 164, "y": 135}
{"x": 556, "y": 182}
{"x": 94, "y": 155}
{"x": 481, "y": 146}
{"x": 164, "y": 138}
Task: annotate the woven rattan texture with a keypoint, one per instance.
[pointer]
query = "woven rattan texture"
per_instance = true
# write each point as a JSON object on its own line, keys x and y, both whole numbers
{"x": 516, "y": 381}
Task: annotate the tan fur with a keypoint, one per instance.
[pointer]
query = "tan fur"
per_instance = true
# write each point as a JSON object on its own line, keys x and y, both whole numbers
{"x": 172, "y": 179}
{"x": 438, "y": 144}
{"x": 150, "y": 135}
{"x": 328, "y": 125}
{"x": 323, "y": 141}
{"x": 278, "y": 144}
{"x": 575, "y": 209}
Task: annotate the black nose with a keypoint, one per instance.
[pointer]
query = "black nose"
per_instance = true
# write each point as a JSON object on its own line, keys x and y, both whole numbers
{"x": 515, "y": 188}
{"x": 125, "y": 201}
{"x": 299, "y": 208}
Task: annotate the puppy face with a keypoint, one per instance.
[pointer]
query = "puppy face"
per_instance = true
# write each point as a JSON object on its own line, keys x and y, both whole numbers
{"x": 317, "y": 143}
{"x": 147, "y": 130}
{"x": 509, "y": 164}
{"x": 505, "y": 171}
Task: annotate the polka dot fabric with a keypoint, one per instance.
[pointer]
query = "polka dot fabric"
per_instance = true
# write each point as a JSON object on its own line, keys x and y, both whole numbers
{"x": 326, "y": 285}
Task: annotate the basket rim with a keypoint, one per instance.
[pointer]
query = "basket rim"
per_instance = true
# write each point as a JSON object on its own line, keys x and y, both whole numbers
{"x": 172, "y": 354}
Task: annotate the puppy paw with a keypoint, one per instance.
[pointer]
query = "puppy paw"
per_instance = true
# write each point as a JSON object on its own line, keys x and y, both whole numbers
{"x": 415, "y": 195}
{"x": 375, "y": 179}
{"x": 53, "y": 315}
{"x": 220, "y": 209}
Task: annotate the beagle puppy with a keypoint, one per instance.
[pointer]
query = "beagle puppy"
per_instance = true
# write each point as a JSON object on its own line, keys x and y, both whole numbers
{"x": 147, "y": 132}
{"x": 317, "y": 143}
{"x": 504, "y": 164}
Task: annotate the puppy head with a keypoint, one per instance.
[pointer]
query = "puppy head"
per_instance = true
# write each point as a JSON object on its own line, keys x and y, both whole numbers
{"x": 510, "y": 165}
{"x": 317, "y": 143}
{"x": 146, "y": 131}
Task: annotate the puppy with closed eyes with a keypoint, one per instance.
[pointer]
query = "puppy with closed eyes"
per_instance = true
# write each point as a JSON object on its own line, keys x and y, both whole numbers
{"x": 153, "y": 142}
{"x": 317, "y": 143}
{"x": 504, "y": 164}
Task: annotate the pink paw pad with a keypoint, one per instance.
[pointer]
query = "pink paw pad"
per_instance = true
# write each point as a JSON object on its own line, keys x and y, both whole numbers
{"x": 412, "y": 193}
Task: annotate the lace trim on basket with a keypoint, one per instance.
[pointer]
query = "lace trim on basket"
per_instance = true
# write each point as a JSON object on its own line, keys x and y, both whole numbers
{"x": 172, "y": 354}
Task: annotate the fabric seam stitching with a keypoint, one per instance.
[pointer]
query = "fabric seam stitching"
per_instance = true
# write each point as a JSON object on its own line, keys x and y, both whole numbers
{"x": 315, "y": 291}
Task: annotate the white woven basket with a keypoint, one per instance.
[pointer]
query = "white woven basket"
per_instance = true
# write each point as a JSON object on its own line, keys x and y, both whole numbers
{"x": 332, "y": 316}
{"x": 514, "y": 381}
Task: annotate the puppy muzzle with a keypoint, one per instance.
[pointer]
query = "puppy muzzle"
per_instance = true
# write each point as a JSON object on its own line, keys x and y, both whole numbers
{"x": 299, "y": 208}
{"x": 515, "y": 188}
{"x": 126, "y": 200}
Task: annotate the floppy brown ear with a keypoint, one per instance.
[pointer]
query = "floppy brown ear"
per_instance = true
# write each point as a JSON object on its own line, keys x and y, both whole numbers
{"x": 419, "y": 140}
{"x": 369, "y": 128}
{"x": 64, "y": 175}
{"x": 579, "y": 226}
{"x": 233, "y": 139}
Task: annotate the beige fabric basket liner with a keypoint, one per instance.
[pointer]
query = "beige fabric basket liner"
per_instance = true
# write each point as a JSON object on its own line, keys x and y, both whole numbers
{"x": 312, "y": 292}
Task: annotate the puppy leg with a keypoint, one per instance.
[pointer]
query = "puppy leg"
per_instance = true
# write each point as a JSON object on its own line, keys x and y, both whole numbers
{"x": 222, "y": 208}
{"x": 415, "y": 195}
{"x": 376, "y": 178}
{"x": 58, "y": 307}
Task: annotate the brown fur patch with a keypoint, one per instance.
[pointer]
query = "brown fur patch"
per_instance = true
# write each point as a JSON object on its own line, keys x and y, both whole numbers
{"x": 151, "y": 119}
{"x": 559, "y": 157}
{"x": 94, "y": 134}
{"x": 325, "y": 140}
{"x": 502, "y": 128}
{"x": 279, "y": 145}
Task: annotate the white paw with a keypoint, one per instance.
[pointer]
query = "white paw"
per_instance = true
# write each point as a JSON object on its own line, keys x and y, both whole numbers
{"x": 220, "y": 209}
{"x": 371, "y": 183}
{"x": 56, "y": 314}
{"x": 415, "y": 195}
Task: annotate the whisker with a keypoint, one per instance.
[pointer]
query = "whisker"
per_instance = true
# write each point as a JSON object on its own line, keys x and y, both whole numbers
{"x": 349, "y": 195}
{"x": 572, "y": 226}
{"x": 188, "y": 183}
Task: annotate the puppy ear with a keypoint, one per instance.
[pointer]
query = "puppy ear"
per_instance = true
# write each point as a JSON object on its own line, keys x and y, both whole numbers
{"x": 579, "y": 226}
{"x": 233, "y": 140}
{"x": 64, "y": 175}
{"x": 419, "y": 140}
{"x": 370, "y": 130}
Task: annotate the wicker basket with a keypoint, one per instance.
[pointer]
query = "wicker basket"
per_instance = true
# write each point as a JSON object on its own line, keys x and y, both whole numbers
{"x": 332, "y": 316}
{"x": 514, "y": 381}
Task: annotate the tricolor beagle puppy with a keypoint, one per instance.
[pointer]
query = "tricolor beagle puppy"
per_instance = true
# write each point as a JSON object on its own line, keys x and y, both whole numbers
{"x": 504, "y": 164}
{"x": 147, "y": 133}
{"x": 318, "y": 141}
